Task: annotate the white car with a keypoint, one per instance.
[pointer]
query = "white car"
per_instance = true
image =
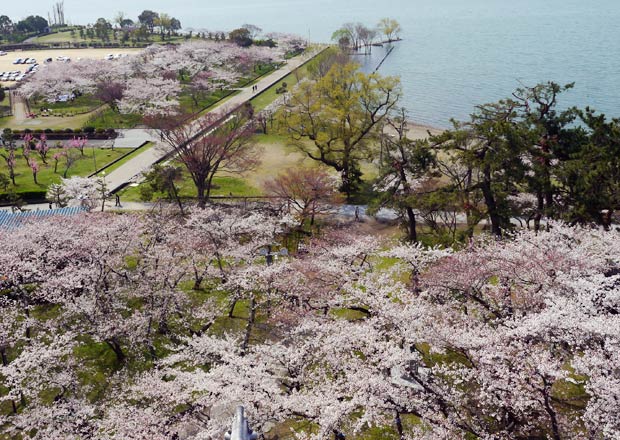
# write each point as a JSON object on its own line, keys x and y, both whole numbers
{"x": 17, "y": 61}
{"x": 3, "y": 53}
{"x": 31, "y": 61}
{"x": 109, "y": 57}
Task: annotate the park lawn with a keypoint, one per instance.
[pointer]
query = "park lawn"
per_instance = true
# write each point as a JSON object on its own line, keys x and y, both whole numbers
{"x": 66, "y": 37}
{"x": 53, "y": 122}
{"x": 108, "y": 118}
{"x": 81, "y": 104}
{"x": 24, "y": 181}
{"x": 265, "y": 98}
{"x": 222, "y": 186}
{"x": 5, "y": 105}
{"x": 262, "y": 100}
{"x": 205, "y": 102}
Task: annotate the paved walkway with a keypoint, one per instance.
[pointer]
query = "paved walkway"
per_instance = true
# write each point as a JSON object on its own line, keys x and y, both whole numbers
{"x": 19, "y": 107}
{"x": 131, "y": 170}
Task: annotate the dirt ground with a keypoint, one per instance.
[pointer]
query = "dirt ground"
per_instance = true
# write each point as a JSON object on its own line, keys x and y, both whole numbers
{"x": 6, "y": 61}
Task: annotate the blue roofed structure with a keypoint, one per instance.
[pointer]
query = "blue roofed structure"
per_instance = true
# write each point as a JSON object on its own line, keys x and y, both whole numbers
{"x": 9, "y": 220}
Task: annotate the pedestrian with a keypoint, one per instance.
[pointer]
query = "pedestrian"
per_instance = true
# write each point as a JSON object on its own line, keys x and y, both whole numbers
{"x": 357, "y": 213}
{"x": 50, "y": 205}
{"x": 118, "y": 201}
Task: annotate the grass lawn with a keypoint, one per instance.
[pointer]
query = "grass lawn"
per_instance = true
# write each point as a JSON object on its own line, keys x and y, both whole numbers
{"x": 5, "y": 105}
{"x": 108, "y": 118}
{"x": 222, "y": 186}
{"x": 81, "y": 104}
{"x": 53, "y": 122}
{"x": 84, "y": 166}
{"x": 66, "y": 37}
{"x": 268, "y": 96}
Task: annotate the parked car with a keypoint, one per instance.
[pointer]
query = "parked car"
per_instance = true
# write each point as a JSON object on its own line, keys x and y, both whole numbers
{"x": 31, "y": 61}
{"x": 3, "y": 53}
{"x": 17, "y": 61}
{"x": 48, "y": 60}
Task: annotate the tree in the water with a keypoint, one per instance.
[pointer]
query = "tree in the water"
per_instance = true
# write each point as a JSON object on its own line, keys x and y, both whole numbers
{"x": 390, "y": 28}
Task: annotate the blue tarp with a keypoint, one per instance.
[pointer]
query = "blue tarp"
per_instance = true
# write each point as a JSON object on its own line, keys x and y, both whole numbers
{"x": 9, "y": 220}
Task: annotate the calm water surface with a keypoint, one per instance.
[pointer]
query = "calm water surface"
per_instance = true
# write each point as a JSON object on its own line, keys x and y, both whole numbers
{"x": 455, "y": 53}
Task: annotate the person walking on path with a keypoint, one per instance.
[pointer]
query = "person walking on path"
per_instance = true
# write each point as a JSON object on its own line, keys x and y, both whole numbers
{"x": 118, "y": 201}
{"x": 357, "y": 213}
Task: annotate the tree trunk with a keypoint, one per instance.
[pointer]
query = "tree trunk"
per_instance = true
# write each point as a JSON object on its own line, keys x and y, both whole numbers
{"x": 5, "y": 360}
{"x": 231, "y": 311}
{"x": 248, "y": 329}
{"x": 551, "y": 413}
{"x": 539, "y": 210}
{"x": 175, "y": 195}
{"x": 399, "y": 426}
{"x": 116, "y": 348}
{"x": 489, "y": 200}
{"x": 201, "y": 196}
{"x": 411, "y": 225}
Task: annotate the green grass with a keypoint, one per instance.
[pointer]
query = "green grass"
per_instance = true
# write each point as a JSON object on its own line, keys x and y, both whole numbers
{"x": 66, "y": 37}
{"x": 204, "y": 103}
{"x": 81, "y": 104}
{"x": 5, "y": 105}
{"x": 269, "y": 95}
{"x": 24, "y": 181}
{"x": 108, "y": 118}
{"x": 222, "y": 186}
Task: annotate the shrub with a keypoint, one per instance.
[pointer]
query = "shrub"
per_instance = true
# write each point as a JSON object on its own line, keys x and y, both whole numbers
{"x": 48, "y": 130}
{"x": 68, "y": 130}
{"x": 99, "y": 131}
{"x": 89, "y": 129}
{"x": 38, "y": 130}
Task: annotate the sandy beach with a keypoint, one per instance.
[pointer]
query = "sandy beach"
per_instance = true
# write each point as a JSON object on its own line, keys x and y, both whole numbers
{"x": 419, "y": 131}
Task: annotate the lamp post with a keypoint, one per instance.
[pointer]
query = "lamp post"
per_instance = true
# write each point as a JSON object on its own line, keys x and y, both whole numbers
{"x": 103, "y": 189}
{"x": 269, "y": 254}
{"x": 240, "y": 429}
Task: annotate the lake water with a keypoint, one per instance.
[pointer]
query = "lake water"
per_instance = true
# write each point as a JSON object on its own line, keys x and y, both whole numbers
{"x": 455, "y": 53}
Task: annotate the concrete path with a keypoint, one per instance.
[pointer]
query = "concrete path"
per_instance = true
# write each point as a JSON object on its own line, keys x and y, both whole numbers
{"x": 19, "y": 107}
{"x": 131, "y": 170}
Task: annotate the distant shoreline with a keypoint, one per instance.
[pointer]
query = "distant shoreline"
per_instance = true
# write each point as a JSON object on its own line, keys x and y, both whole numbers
{"x": 420, "y": 131}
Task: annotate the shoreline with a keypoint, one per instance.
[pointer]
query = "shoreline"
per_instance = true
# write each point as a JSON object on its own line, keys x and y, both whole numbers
{"x": 421, "y": 131}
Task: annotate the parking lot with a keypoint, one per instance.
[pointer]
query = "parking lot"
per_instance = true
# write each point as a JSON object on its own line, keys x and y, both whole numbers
{"x": 11, "y": 72}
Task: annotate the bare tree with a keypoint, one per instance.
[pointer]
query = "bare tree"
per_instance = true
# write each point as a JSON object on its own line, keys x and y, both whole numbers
{"x": 214, "y": 143}
{"x": 58, "y": 12}
{"x": 306, "y": 191}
